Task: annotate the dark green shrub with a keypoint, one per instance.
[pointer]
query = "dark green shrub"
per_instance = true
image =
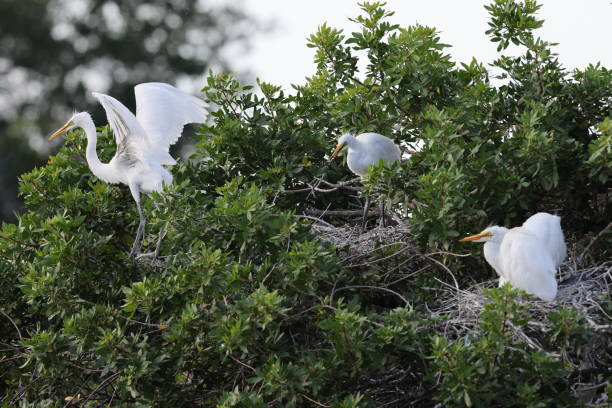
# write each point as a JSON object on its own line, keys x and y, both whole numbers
{"x": 492, "y": 368}
{"x": 247, "y": 306}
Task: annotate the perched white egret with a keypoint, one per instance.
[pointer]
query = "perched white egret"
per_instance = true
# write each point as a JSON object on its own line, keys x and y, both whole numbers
{"x": 367, "y": 149}
{"x": 364, "y": 151}
{"x": 143, "y": 141}
{"x": 528, "y": 256}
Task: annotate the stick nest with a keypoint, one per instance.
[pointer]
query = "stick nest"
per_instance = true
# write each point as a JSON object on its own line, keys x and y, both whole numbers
{"x": 582, "y": 289}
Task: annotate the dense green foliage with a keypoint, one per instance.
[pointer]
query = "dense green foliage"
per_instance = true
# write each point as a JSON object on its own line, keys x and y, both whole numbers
{"x": 246, "y": 308}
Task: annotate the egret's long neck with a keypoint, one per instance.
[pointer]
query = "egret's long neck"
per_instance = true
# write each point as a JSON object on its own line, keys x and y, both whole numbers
{"x": 101, "y": 170}
{"x": 491, "y": 254}
{"x": 492, "y": 250}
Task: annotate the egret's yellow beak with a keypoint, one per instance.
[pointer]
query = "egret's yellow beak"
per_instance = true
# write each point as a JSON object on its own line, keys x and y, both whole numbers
{"x": 61, "y": 130}
{"x": 337, "y": 150}
{"x": 475, "y": 237}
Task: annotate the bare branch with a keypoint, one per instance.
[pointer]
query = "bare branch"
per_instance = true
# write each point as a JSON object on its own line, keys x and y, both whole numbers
{"x": 593, "y": 241}
{"x": 343, "y": 213}
{"x": 14, "y": 324}
{"x": 314, "y": 187}
{"x": 242, "y": 364}
{"x": 373, "y": 288}
{"x": 443, "y": 267}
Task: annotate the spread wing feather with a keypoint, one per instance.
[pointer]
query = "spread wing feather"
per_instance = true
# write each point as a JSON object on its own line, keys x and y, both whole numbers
{"x": 163, "y": 111}
{"x": 129, "y": 135}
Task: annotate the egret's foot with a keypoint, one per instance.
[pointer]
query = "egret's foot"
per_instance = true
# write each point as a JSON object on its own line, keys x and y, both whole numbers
{"x": 152, "y": 255}
{"x": 135, "y": 252}
{"x": 155, "y": 253}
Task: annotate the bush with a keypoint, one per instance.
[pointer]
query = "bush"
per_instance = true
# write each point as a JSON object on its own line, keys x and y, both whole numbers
{"x": 249, "y": 306}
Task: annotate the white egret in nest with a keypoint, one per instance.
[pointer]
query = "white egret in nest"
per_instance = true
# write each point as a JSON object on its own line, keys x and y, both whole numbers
{"x": 365, "y": 150}
{"x": 528, "y": 256}
{"x": 143, "y": 141}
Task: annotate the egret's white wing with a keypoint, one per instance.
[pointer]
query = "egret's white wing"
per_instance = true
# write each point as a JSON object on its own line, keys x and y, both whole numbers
{"x": 129, "y": 135}
{"x": 380, "y": 147}
{"x": 527, "y": 264}
{"x": 547, "y": 227}
{"x": 163, "y": 111}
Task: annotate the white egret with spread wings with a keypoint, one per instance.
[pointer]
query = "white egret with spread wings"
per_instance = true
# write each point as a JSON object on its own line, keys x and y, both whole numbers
{"x": 143, "y": 140}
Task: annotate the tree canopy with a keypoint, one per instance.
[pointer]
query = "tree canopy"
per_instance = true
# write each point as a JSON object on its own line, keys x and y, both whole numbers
{"x": 252, "y": 305}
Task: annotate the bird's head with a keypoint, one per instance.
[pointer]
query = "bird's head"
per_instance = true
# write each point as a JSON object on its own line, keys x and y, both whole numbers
{"x": 77, "y": 120}
{"x": 489, "y": 234}
{"x": 344, "y": 142}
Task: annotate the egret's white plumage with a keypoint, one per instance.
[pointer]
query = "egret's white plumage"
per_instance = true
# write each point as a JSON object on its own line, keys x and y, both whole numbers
{"x": 143, "y": 141}
{"x": 547, "y": 228}
{"x": 367, "y": 149}
{"x": 528, "y": 256}
{"x": 364, "y": 151}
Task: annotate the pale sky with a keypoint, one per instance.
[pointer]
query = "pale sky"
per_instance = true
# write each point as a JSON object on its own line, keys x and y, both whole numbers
{"x": 583, "y": 30}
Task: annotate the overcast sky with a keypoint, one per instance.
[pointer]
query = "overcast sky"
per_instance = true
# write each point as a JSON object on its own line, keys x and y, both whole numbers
{"x": 583, "y": 30}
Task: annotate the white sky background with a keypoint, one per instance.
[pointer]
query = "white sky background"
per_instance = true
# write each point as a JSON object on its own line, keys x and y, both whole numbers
{"x": 583, "y": 30}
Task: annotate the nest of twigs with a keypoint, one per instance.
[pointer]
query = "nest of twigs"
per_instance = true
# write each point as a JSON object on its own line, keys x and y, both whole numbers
{"x": 580, "y": 288}
{"x": 357, "y": 243}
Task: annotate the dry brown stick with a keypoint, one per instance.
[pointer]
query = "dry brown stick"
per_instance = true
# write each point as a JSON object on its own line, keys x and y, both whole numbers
{"x": 301, "y": 313}
{"x": 404, "y": 262}
{"x": 315, "y": 402}
{"x": 357, "y": 256}
{"x": 448, "y": 253}
{"x": 105, "y": 383}
{"x": 309, "y": 217}
{"x": 15, "y": 325}
{"x": 593, "y": 241}
{"x": 341, "y": 184}
{"x": 426, "y": 256}
{"x": 344, "y": 185}
{"x": 384, "y": 258}
{"x": 77, "y": 394}
{"x": 343, "y": 213}
{"x": 23, "y": 391}
{"x": 407, "y": 276}
{"x": 374, "y": 288}
{"x": 242, "y": 364}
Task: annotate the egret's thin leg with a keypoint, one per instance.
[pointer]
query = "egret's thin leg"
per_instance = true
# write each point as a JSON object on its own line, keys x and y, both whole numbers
{"x": 140, "y": 233}
{"x": 383, "y": 222}
{"x": 162, "y": 233}
{"x": 366, "y": 208}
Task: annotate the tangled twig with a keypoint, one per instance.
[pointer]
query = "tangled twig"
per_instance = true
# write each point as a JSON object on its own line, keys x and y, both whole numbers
{"x": 314, "y": 187}
{"x": 601, "y": 233}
